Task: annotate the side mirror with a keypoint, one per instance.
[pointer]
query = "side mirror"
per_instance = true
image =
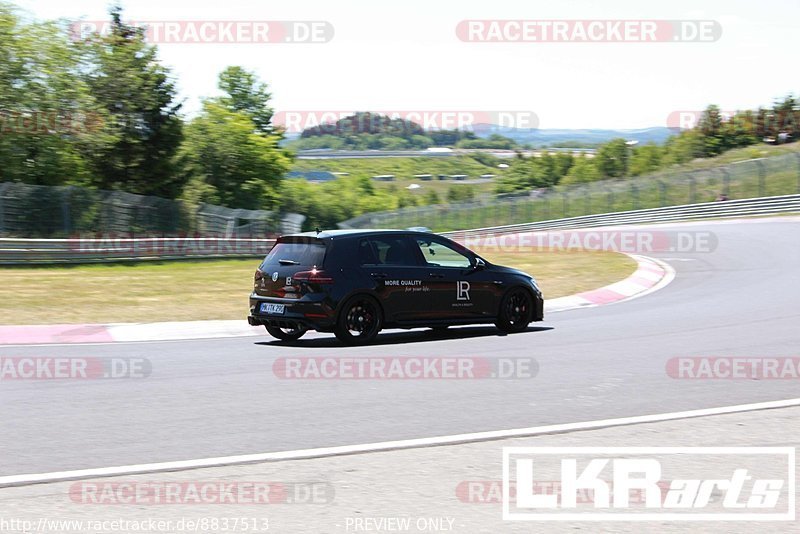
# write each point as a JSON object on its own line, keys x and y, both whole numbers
{"x": 479, "y": 264}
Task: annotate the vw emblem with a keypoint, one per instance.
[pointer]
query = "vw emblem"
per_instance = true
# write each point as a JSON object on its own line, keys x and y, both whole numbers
{"x": 275, "y": 276}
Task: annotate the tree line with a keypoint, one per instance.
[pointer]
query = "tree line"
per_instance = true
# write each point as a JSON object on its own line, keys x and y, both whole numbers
{"x": 101, "y": 111}
{"x": 714, "y": 134}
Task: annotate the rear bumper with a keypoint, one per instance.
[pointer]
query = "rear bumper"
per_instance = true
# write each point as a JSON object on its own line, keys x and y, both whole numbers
{"x": 306, "y": 314}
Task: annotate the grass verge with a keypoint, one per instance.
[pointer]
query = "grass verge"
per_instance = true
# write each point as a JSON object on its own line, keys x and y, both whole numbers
{"x": 218, "y": 289}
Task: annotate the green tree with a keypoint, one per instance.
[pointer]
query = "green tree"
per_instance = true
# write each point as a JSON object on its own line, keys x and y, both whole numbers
{"x": 245, "y": 93}
{"x": 645, "y": 159}
{"x": 612, "y": 158}
{"x": 137, "y": 100}
{"x": 582, "y": 171}
{"x": 231, "y": 163}
{"x": 684, "y": 147}
{"x": 46, "y": 111}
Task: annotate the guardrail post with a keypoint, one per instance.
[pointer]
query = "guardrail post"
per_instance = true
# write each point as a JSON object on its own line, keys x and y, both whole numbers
{"x": 635, "y": 196}
{"x": 530, "y": 210}
{"x": 762, "y": 178}
{"x": 610, "y": 199}
{"x": 587, "y": 204}
{"x": 565, "y": 203}
{"x": 692, "y": 190}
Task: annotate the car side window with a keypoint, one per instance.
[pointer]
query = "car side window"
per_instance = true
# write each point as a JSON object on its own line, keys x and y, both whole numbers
{"x": 438, "y": 254}
{"x": 366, "y": 253}
{"x": 386, "y": 250}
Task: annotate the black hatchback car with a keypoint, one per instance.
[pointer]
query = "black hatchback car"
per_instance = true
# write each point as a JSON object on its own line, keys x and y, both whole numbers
{"x": 356, "y": 282}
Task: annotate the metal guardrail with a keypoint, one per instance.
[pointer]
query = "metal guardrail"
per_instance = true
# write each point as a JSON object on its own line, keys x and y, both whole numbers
{"x": 707, "y": 210}
{"x": 15, "y": 251}
{"x": 59, "y": 251}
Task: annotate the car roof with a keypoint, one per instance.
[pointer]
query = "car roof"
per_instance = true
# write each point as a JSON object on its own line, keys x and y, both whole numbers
{"x": 332, "y": 234}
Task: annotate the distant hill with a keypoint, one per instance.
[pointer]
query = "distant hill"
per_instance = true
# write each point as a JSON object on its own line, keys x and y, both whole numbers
{"x": 556, "y": 136}
{"x": 373, "y": 131}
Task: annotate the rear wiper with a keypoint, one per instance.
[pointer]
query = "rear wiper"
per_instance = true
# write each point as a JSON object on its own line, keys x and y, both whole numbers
{"x": 288, "y": 262}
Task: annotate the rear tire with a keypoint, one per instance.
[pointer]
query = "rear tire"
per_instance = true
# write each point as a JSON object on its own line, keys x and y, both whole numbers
{"x": 286, "y": 334}
{"x": 359, "y": 321}
{"x": 516, "y": 311}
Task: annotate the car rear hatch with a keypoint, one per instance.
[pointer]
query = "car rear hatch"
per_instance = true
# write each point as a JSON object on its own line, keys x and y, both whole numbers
{"x": 293, "y": 259}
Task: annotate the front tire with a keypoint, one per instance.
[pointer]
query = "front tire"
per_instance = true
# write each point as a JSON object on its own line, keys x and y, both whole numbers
{"x": 516, "y": 311}
{"x": 359, "y": 321}
{"x": 286, "y": 334}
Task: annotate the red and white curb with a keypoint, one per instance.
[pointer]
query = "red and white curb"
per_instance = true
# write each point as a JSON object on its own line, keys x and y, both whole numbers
{"x": 649, "y": 276}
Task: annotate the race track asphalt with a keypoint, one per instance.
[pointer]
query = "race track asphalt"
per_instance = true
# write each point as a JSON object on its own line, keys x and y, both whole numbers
{"x": 209, "y": 398}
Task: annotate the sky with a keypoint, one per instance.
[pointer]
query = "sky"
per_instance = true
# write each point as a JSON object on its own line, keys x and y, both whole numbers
{"x": 405, "y": 55}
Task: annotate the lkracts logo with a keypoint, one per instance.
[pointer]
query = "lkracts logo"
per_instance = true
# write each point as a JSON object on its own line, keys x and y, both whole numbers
{"x": 731, "y": 483}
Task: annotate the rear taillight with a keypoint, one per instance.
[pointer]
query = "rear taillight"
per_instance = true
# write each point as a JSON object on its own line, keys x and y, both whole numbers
{"x": 259, "y": 275}
{"x": 313, "y": 277}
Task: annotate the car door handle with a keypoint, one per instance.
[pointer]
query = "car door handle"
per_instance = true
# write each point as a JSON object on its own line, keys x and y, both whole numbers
{"x": 378, "y": 275}
{"x": 435, "y": 275}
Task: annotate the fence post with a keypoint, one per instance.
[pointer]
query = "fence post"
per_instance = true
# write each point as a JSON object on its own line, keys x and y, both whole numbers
{"x": 662, "y": 193}
{"x": 587, "y": 205}
{"x": 635, "y": 196}
{"x": 796, "y": 155}
{"x": 512, "y": 211}
{"x": 726, "y": 181}
{"x": 65, "y": 214}
{"x": 610, "y": 197}
{"x": 762, "y": 178}
{"x": 3, "y": 188}
{"x": 692, "y": 190}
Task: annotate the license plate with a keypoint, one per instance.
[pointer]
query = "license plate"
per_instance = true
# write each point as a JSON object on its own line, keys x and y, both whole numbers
{"x": 274, "y": 309}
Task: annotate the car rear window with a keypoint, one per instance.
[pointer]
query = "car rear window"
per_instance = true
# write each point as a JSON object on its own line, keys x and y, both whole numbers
{"x": 306, "y": 254}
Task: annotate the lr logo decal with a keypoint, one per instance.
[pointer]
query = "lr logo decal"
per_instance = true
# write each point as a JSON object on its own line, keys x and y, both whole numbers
{"x": 462, "y": 290}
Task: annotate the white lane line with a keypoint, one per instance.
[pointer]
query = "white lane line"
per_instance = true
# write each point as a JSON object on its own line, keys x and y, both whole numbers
{"x": 306, "y": 454}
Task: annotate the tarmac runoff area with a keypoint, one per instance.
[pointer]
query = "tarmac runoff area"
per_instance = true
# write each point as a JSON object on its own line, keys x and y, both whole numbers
{"x": 452, "y": 488}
